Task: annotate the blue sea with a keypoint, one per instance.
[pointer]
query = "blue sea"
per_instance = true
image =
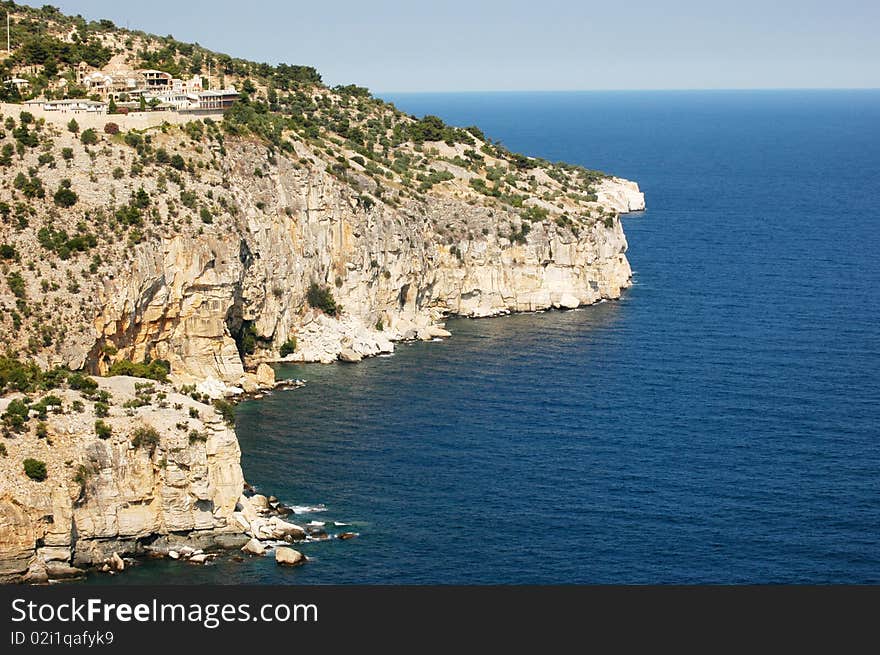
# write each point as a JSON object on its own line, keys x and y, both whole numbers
{"x": 719, "y": 424}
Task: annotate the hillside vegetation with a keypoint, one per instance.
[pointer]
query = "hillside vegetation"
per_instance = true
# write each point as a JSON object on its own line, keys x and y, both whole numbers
{"x": 76, "y": 204}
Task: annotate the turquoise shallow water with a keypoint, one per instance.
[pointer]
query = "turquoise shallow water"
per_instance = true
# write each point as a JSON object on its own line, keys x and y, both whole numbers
{"x": 719, "y": 424}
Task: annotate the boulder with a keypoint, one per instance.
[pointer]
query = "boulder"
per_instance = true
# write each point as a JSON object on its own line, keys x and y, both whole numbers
{"x": 198, "y": 559}
{"x": 231, "y": 540}
{"x": 349, "y": 355}
{"x": 437, "y": 332}
{"x": 288, "y": 556}
{"x": 282, "y": 529}
{"x": 254, "y": 547}
{"x": 265, "y": 376}
{"x": 249, "y": 383}
{"x": 116, "y": 563}
{"x": 345, "y": 536}
{"x": 260, "y": 502}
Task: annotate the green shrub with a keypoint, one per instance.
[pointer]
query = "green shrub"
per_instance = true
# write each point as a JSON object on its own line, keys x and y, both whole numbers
{"x": 35, "y": 469}
{"x": 16, "y": 375}
{"x": 155, "y": 370}
{"x": 533, "y": 213}
{"x": 193, "y": 412}
{"x": 133, "y": 139}
{"x": 89, "y": 137}
{"x": 65, "y": 196}
{"x": 177, "y": 162}
{"x": 30, "y": 185}
{"x": 8, "y": 251}
{"x": 73, "y": 126}
{"x": 102, "y": 410}
{"x": 196, "y": 436}
{"x": 226, "y": 410}
{"x": 16, "y": 284}
{"x": 288, "y": 347}
{"x": 42, "y": 430}
{"x": 16, "y": 415}
{"x": 145, "y": 436}
{"x": 103, "y": 430}
{"x": 322, "y": 298}
{"x": 83, "y": 473}
{"x": 3, "y": 450}
{"x": 80, "y": 382}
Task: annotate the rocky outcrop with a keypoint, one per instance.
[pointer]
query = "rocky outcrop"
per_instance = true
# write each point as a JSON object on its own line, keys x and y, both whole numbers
{"x": 620, "y": 195}
{"x": 105, "y": 499}
{"x": 396, "y": 272}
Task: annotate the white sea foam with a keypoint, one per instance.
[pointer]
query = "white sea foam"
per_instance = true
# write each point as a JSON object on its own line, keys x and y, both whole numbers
{"x": 316, "y": 523}
{"x": 307, "y": 509}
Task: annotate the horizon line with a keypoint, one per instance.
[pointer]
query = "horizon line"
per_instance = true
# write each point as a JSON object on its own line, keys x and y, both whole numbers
{"x": 639, "y": 90}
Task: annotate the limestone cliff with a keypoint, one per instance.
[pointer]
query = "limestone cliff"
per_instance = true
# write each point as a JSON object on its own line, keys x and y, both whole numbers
{"x": 198, "y": 243}
{"x": 403, "y": 269}
{"x": 116, "y": 494}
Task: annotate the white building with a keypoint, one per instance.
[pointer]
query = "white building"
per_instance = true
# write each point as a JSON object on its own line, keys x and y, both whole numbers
{"x": 69, "y": 106}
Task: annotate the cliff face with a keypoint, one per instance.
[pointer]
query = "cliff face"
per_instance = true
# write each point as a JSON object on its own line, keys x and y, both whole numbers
{"x": 399, "y": 268}
{"x": 115, "y": 495}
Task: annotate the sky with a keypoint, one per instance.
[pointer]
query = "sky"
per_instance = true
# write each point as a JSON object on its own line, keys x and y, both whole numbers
{"x": 494, "y": 45}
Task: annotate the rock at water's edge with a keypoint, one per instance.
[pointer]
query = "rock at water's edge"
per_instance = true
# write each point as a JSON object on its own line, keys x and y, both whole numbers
{"x": 348, "y": 355}
{"x": 288, "y": 556}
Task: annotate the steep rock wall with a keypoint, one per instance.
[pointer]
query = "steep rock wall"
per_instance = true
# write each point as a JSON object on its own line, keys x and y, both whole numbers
{"x": 402, "y": 268}
{"x": 112, "y": 496}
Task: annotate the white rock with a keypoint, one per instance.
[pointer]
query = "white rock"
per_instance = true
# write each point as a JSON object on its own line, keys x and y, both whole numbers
{"x": 265, "y": 376}
{"x": 254, "y": 547}
{"x": 438, "y": 332}
{"x": 349, "y": 355}
{"x": 259, "y": 501}
{"x": 281, "y": 529}
{"x": 288, "y": 556}
{"x": 568, "y": 301}
{"x": 241, "y": 520}
{"x": 211, "y": 387}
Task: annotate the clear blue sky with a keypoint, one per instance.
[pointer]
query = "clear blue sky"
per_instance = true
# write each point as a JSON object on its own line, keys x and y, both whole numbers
{"x": 457, "y": 45}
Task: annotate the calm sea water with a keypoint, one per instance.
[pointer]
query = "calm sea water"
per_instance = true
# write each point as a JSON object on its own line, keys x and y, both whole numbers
{"x": 721, "y": 423}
